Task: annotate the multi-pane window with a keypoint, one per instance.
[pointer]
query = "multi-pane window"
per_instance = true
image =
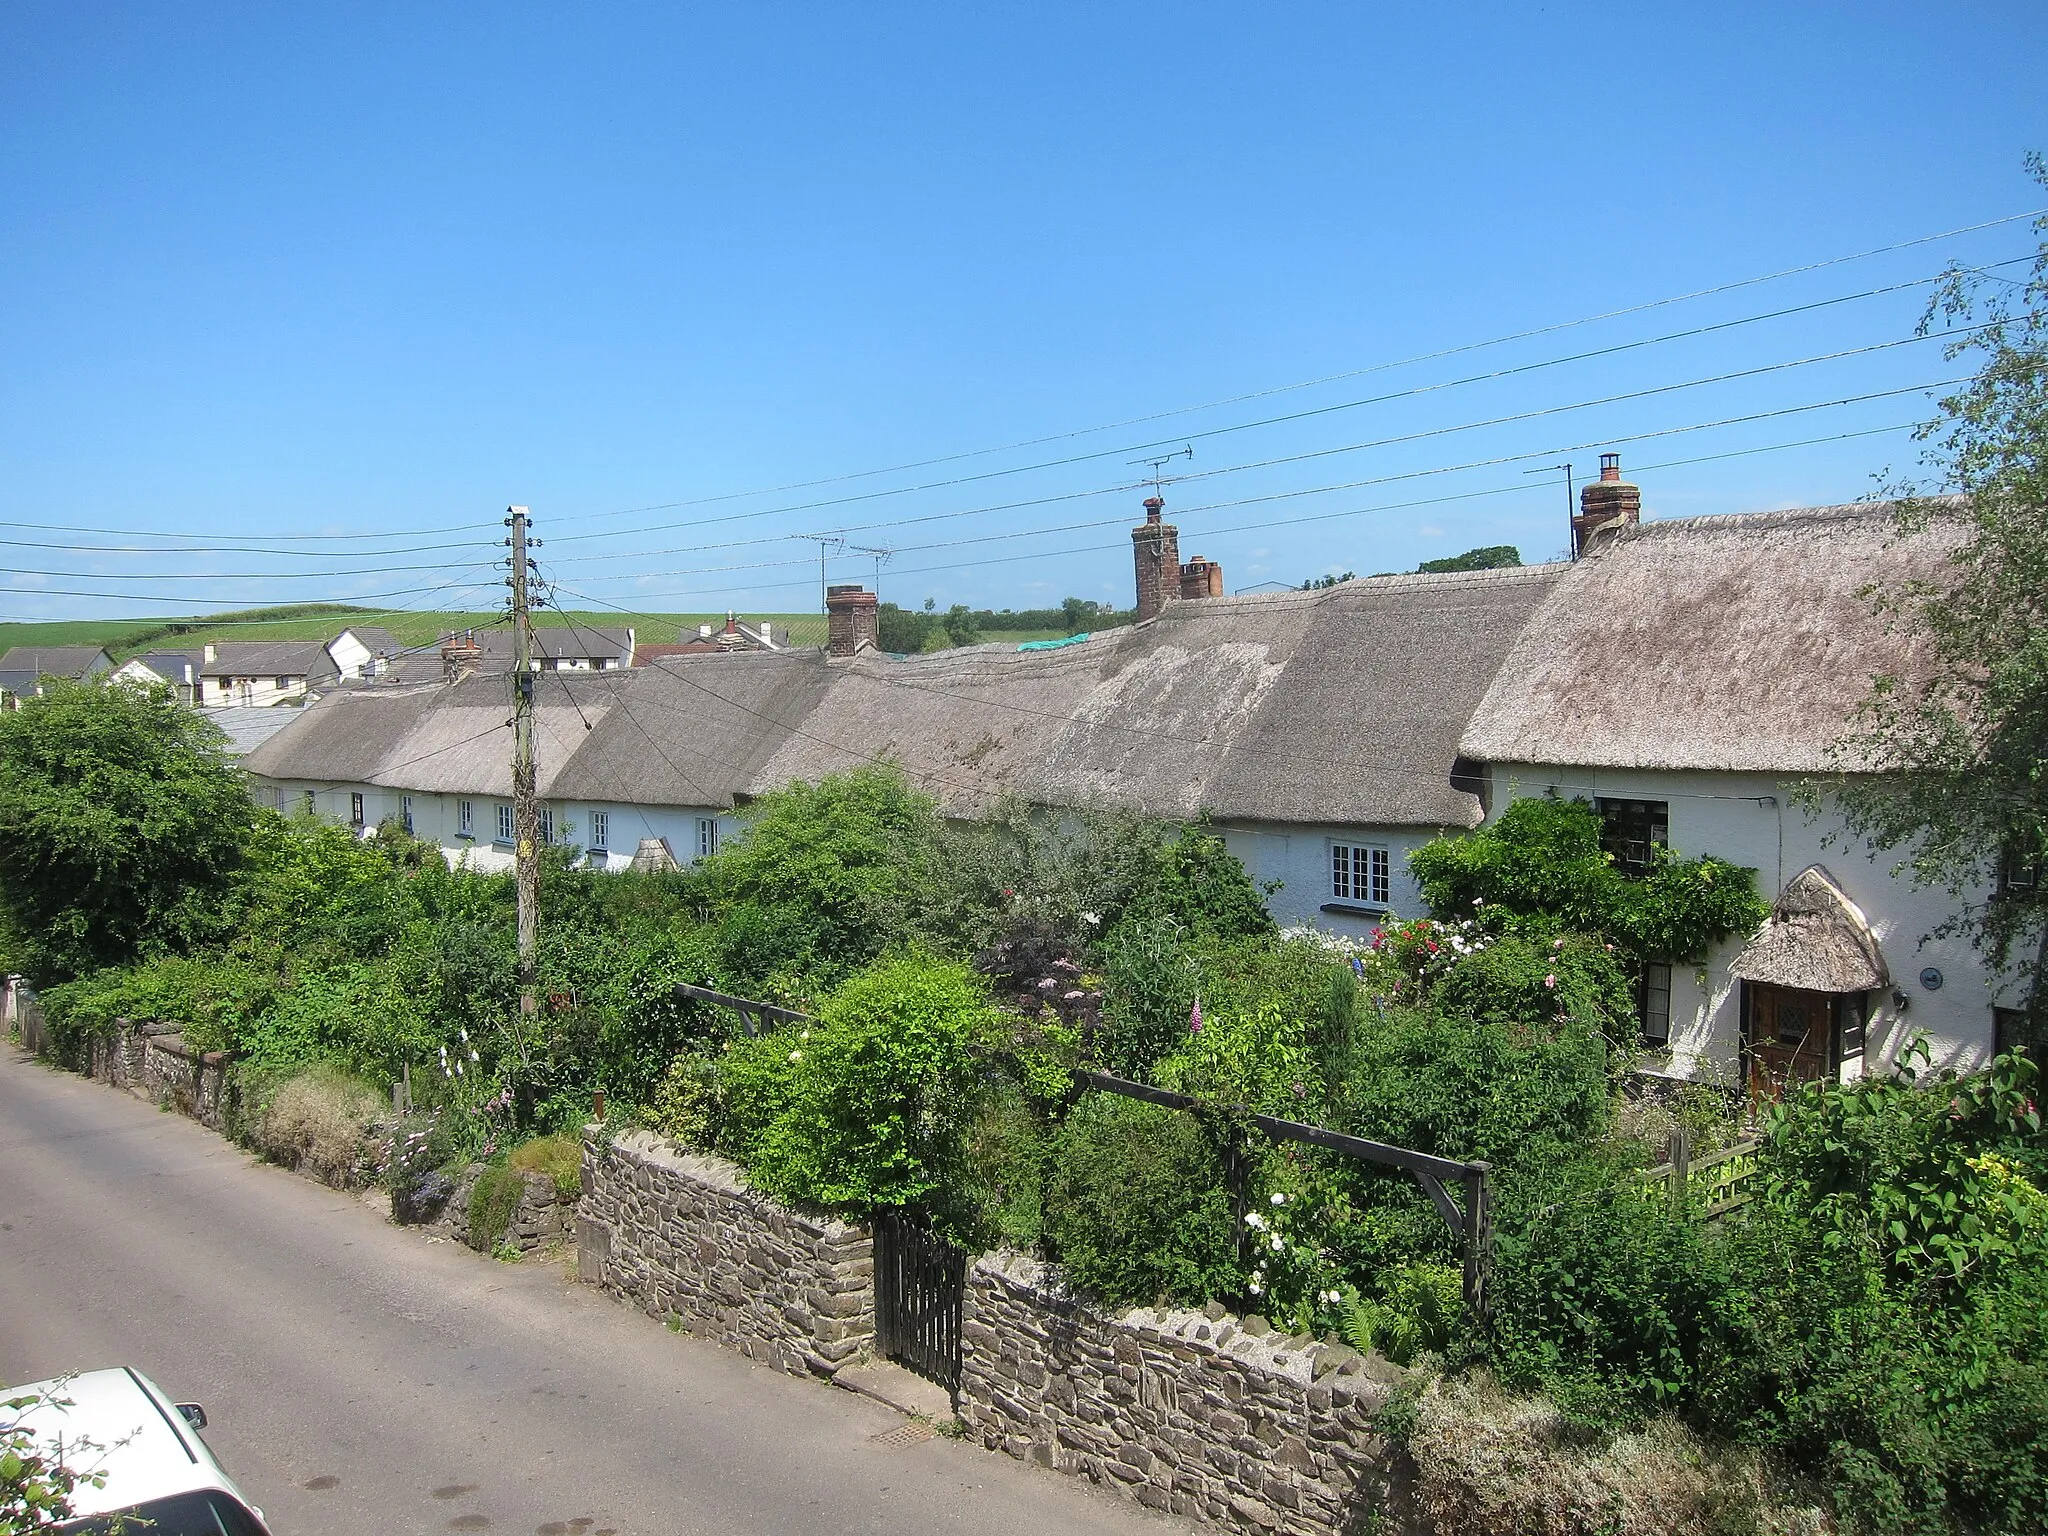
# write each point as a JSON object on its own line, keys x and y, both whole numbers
{"x": 2017, "y": 873}
{"x": 1629, "y": 829}
{"x": 283, "y": 683}
{"x": 600, "y": 831}
{"x": 311, "y": 803}
{"x": 1653, "y": 1004}
{"x": 405, "y": 812}
{"x": 504, "y": 823}
{"x": 707, "y": 836}
{"x": 1360, "y": 873}
{"x": 355, "y": 810}
{"x": 465, "y": 818}
{"x": 547, "y": 825}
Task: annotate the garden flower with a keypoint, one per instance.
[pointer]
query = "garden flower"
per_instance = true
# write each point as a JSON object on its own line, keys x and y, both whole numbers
{"x": 1253, "y": 1285}
{"x": 1279, "y": 1242}
{"x": 1557, "y": 943}
{"x": 474, "y": 1057}
{"x": 1091, "y": 918}
{"x": 1478, "y": 901}
{"x": 1278, "y": 1198}
{"x": 1550, "y": 981}
{"x": 1254, "y": 1220}
{"x": 1195, "y": 1018}
{"x": 796, "y": 1055}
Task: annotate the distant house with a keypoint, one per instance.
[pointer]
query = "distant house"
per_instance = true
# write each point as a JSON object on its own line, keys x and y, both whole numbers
{"x": 181, "y": 671}
{"x": 260, "y": 672}
{"x": 363, "y": 652}
{"x": 556, "y": 648}
{"x": 735, "y": 636}
{"x": 24, "y": 667}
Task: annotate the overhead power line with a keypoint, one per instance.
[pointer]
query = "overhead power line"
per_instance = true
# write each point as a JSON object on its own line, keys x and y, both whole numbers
{"x": 1333, "y": 378}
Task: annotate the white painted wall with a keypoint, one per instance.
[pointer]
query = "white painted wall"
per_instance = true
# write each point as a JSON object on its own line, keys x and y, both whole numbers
{"x": 251, "y": 691}
{"x": 437, "y": 819}
{"x": 1299, "y": 858}
{"x": 1749, "y": 819}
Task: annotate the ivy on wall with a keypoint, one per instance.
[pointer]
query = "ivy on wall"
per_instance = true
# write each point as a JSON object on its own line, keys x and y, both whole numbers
{"x": 1539, "y": 869}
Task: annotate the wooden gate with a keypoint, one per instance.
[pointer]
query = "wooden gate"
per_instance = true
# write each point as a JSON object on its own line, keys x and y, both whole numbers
{"x": 920, "y": 1288}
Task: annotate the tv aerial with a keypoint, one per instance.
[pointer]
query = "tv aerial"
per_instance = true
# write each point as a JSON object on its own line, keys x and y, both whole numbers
{"x": 1158, "y": 478}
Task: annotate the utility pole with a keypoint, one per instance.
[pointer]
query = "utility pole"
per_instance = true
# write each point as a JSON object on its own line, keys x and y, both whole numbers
{"x": 525, "y": 808}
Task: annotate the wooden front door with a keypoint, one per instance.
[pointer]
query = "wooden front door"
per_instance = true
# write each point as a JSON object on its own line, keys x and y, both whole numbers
{"x": 1791, "y": 1037}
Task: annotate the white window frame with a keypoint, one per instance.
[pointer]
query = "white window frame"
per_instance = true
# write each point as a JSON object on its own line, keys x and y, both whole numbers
{"x": 508, "y": 826}
{"x": 405, "y": 813}
{"x": 707, "y": 836}
{"x": 600, "y": 831}
{"x": 546, "y": 817}
{"x": 465, "y": 818}
{"x": 1361, "y": 875}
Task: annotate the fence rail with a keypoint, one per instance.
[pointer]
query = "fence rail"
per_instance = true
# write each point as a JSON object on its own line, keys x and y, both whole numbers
{"x": 1471, "y": 1227}
{"x": 1718, "y": 1185}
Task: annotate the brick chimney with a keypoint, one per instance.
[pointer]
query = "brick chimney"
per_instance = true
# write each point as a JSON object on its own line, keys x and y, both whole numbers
{"x": 853, "y": 620}
{"x": 1606, "y": 505}
{"x": 460, "y": 656}
{"x": 1155, "y": 548}
{"x": 1200, "y": 578}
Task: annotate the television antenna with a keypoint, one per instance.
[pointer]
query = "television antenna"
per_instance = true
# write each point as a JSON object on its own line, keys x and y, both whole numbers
{"x": 1159, "y": 479}
{"x": 829, "y": 544}
{"x": 881, "y": 555}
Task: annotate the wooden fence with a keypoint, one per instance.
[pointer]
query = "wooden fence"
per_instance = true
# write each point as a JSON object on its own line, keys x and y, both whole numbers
{"x": 1715, "y": 1186}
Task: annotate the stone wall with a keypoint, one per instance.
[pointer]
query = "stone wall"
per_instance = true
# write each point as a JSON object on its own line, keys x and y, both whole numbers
{"x": 153, "y": 1062}
{"x": 682, "y": 1235}
{"x": 544, "y": 1214}
{"x": 1199, "y": 1413}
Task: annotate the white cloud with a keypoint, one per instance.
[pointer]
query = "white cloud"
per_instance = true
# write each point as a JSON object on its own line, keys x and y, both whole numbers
{"x": 1429, "y": 531}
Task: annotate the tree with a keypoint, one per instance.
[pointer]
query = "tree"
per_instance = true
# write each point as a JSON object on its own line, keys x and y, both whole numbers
{"x": 122, "y": 822}
{"x": 1493, "y": 557}
{"x": 1960, "y": 788}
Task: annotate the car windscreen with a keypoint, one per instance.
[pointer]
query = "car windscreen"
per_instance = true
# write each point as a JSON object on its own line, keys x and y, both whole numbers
{"x": 208, "y": 1512}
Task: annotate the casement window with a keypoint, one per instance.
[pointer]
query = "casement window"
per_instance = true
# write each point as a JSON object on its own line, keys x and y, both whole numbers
{"x": 707, "y": 836}
{"x": 1361, "y": 874}
{"x": 2018, "y": 875}
{"x": 1653, "y": 1004}
{"x": 505, "y": 832}
{"x": 355, "y": 810}
{"x": 2012, "y": 1032}
{"x": 283, "y": 683}
{"x": 311, "y": 803}
{"x": 600, "y": 831}
{"x": 465, "y": 818}
{"x": 547, "y": 825}
{"x": 1630, "y": 829}
{"x": 284, "y": 801}
{"x": 405, "y": 812}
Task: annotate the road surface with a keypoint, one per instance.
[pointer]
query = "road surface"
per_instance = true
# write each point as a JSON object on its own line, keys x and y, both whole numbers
{"x": 360, "y": 1378}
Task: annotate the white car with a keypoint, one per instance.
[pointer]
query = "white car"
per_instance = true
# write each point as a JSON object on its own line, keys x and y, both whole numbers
{"x": 160, "y": 1476}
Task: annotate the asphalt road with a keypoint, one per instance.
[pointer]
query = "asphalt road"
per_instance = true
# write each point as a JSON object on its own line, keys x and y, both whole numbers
{"x": 360, "y": 1378}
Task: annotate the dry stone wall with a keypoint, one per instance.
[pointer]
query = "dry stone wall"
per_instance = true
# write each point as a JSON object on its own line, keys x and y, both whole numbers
{"x": 1200, "y": 1413}
{"x": 683, "y": 1236}
{"x": 151, "y": 1060}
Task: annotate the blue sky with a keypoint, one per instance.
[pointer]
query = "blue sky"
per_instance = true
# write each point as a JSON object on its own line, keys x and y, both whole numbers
{"x": 380, "y": 270}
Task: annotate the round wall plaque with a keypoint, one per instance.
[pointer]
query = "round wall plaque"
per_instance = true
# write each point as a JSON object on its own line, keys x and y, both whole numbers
{"x": 1931, "y": 979}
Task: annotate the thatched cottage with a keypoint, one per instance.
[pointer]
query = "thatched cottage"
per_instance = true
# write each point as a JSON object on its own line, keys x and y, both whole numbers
{"x": 1682, "y": 675}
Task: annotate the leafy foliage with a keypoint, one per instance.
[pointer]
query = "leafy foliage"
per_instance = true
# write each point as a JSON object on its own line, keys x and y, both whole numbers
{"x": 121, "y": 826}
{"x": 1538, "y": 868}
{"x": 1946, "y": 768}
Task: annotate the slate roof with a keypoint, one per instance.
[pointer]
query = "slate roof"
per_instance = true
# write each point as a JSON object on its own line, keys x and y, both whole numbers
{"x": 273, "y": 658}
{"x": 171, "y": 665}
{"x": 1740, "y": 642}
{"x": 34, "y": 661}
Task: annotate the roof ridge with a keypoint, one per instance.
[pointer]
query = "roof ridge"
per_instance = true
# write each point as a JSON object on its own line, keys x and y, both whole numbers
{"x": 1841, "y": 511}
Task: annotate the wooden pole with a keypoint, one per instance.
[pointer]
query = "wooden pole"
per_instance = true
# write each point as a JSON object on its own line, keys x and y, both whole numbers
{"x": 525, "y": 807}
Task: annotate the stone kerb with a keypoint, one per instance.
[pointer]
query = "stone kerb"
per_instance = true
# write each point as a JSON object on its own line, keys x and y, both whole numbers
{"x": 683, "y": 1236}
{"x": 1204, "y": 1414}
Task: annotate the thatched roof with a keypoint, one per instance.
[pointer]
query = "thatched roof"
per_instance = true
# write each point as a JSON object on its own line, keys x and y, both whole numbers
{"x": 1340, "y": 707}
{"x": 1335, "y": 707}
{"x": 1817, "y": 939}
{"x": 1741, "y": 642}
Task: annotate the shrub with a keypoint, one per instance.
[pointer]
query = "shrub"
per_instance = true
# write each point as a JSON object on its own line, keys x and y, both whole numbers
{"x": 1136, "y": 1209}
{"x": 315, "y": 1123}
{"x": 559, "y": 1157}
{"x": 492, "y": 1204}
{"x": 865, "y": 1109}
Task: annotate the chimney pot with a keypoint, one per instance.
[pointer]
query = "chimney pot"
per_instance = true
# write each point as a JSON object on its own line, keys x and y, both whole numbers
{"x": 1606, "y": 505}
{"x": 1154, "y": 505}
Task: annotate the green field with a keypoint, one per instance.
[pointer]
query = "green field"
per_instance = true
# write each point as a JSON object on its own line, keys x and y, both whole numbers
{"x": 322, "y": 621}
